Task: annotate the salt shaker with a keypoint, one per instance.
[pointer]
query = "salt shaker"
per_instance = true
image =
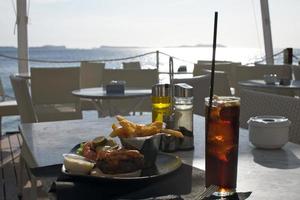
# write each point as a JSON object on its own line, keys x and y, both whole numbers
{"x": 183, "y": 104}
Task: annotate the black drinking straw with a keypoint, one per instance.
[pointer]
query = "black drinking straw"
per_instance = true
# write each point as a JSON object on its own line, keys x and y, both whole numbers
{"x": 212, "y": 76}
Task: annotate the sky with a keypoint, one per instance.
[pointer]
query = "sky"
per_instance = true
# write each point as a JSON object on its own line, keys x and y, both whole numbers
{"x": 153, "y": 23}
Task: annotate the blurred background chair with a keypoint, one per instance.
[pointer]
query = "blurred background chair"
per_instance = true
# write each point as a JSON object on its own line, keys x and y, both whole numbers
{"x": 8, "y": 107}
{"x": 296, "y": 72}
{"x": 27, "y": 115}
{"x": 90, "y": 76}
{"x": 131, "y": 65}
{"x": 223, "y": 66}
{"x": 201, "y": 86}
{"x": 255, "y": 103}
{"x": 221, "y": 83}
{"x": 52, "y": 97}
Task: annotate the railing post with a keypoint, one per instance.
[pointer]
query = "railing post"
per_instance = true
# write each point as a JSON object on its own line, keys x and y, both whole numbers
{"x": 157, "y": 60}
{"x": 288, "y": 56}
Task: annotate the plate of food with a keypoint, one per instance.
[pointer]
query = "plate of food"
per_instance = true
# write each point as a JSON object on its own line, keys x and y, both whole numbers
{"x": 136, "y": 158}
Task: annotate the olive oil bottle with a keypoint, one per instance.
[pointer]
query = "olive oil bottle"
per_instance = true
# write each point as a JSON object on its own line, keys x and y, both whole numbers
{"x": 161, "y": 102}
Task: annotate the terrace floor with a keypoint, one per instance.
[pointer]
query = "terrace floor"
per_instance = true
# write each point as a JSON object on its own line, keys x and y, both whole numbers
{"x": 9, "y": 169}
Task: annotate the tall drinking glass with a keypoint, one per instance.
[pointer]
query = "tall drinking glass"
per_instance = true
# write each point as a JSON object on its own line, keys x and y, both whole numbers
{"x": 221, "y": 147}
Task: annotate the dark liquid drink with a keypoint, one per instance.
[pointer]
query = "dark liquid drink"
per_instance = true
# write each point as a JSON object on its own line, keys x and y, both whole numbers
{"x": 221, "y": 149}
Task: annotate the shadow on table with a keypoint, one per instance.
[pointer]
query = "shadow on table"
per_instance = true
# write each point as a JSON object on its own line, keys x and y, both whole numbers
{"x": 277, "y": 158}
{"x": 237, "y": 196}
{"x": 186, "y": 183}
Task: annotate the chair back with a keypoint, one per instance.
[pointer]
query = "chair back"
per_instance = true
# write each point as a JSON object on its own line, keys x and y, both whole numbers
{"x": 91, "y": 74}
{"x": 254, "y": 103}
{"x": 228, "y": 67}
{"x": 2, "y": 93}
{"x": 23, "y": 98}
{"x": 221, "y": 83}
{"x": 200, "y": 91}
{"x": 296, "y": 72}
{"x": 131, "y": 65}
{"x": 54, "y": 85}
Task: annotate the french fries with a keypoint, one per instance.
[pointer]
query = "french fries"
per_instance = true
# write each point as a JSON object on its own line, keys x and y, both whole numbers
{"x": 130, "y": 129}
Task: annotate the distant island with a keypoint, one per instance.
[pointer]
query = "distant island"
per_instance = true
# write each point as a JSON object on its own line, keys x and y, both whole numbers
{"x": 62, "y": 47}
{"x": 49, "y": 47}
{"x": 119, "y": 47}
{"x": 179, "y": 46}
{"x": 197, "y": 45}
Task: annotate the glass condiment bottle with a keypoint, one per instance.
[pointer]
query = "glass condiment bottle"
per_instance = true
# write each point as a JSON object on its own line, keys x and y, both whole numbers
{"x": 161, "y": 102}
{"x": 183, "y": 108}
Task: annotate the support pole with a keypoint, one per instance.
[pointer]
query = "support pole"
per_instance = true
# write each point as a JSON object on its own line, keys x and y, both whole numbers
{"x": 22, "y": 21}
{"x": 267, "y": 31}
{"x": 157, "y": 60}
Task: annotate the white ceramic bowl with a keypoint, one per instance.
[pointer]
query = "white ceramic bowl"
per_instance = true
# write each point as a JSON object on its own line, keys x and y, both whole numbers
{"x": 269, "y": 132}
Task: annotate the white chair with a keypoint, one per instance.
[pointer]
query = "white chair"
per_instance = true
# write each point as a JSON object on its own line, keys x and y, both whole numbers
{"x": 296, "y": 72}
{"x": 7, "y": 107}
{"x": 131, "y": 65}
{"x": 27, "y": 115}
{"x": 228, "y": 67}
{"x": 135, "y": 78}
{"x": 51, "y": 93}
{"x": 91, "y": 75}
{"x": 201, "y": 86}
{"x": 254, "y": 103}
{"x": 221, "y": 83}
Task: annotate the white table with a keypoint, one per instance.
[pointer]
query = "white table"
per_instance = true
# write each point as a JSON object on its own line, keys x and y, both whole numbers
{"x": 98, "y": 94}
{"x": 273, "y": 88}
{"x": 269, "y": 174}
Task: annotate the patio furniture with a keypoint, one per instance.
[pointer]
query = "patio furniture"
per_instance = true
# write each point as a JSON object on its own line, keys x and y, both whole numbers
{"x": 254, "y": 103}
{"x": 134, "y": 78}
{"x": 201, "y": 86}
{"x": 267, "y": 174}
{"x": 99, "y": 95}
{"x": 23, "y": 98}
{"x": 225, "y": 66}
{"x": 51, "y": 93}
{"x": 131, "y": 65}
{"x": 244, "y": 73}
{"x": 90, "y": 76}
{"x": 296, "y": 72}
{"x": 27, "y": 115}
{"x": 260, "y": 85}
{"x": 7, "y": 107}
{"x": 221, "y": 83}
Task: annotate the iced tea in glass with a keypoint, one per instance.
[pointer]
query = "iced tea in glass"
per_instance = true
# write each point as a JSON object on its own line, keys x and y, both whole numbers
{"x": 221, "y": 147}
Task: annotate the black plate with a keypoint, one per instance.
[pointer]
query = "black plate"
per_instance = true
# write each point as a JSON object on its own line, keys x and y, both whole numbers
{"x": 165, "y": 164}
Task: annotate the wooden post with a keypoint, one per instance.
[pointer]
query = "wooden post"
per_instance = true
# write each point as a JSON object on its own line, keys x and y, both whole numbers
{"x": 288, "y": 56}
{"x": 22, "y": 21}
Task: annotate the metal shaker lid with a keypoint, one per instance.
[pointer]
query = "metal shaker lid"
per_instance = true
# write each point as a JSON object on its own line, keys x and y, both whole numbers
{"x": 183, "y": 90}
{"x": 161, "y": 90}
